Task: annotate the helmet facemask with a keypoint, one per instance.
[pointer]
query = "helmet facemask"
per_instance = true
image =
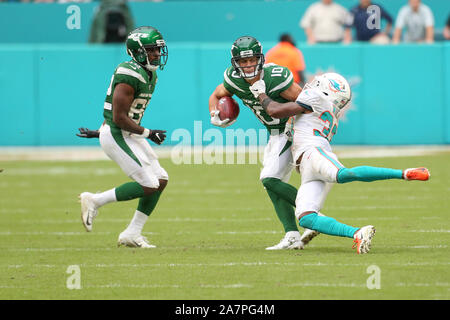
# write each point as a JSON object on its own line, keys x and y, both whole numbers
{"x": 142, "y": 40}
{"x": 257, "y": 67}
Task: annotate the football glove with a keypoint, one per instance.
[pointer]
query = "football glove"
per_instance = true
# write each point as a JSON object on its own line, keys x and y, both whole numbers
{"x": 215, "y": 120}
{"x": 86, "y": 133}
{"x": 259, "y": 87}
{"x": 157, "y": 136}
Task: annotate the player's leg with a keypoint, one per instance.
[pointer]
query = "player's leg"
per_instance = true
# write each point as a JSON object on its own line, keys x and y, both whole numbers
{"x": 124, "y": 151}
{"x": 315, "y": 171}
{"x": 274, "y": 176}
{"x": 132, "y": 235}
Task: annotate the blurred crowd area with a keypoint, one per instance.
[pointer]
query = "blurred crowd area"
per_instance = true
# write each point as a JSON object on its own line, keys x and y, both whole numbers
{"x": 324, "y": 21}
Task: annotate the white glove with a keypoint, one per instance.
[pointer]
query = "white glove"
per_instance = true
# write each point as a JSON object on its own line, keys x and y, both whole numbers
{"x": 259, "y": 87}
{"x": 215, "y": 120}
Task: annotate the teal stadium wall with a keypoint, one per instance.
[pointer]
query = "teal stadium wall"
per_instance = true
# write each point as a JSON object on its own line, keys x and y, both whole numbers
{"x": 52, "y": 82}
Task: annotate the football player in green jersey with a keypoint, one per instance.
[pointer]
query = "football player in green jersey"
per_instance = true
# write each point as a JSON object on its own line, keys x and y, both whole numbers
{"x": 247, "y": 67}
{"x": 124, "y": 140}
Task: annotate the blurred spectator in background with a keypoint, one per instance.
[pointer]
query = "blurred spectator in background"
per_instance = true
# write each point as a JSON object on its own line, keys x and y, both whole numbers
{"x": 418, "y": 20}
{"x": 287, "y": 55}
{"x": 325, "y": 21}
{"x": 367, "y": 22}
{"x": 447, "y": 29}
{"x": 112, "y": 22}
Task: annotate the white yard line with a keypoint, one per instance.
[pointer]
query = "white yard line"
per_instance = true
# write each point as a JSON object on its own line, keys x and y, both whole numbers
{"x": 96, "y": 153}
{"x": 228, "y": 264}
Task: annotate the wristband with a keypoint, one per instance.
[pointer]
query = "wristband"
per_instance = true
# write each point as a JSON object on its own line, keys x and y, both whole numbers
{"x": 144, "y": 134}
{"x": 265, "y": 103}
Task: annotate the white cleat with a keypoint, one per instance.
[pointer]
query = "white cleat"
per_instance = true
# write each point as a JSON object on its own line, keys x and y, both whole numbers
{"x": 134, "y": 241}
{"x": 290, "y": 241}
{"x": 363, "y": 238}
{"x": 308, "y": 235}
{"x": 88, "y": 210}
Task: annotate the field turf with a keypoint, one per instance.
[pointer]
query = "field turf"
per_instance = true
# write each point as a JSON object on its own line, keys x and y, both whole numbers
{"x": 211, "y": 227}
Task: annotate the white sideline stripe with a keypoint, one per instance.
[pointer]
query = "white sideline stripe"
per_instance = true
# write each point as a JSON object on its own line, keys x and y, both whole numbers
{"x": 216, "y": 248}
{"x": 230, "y": 264}
{"x": 76, "y": 233}
{"x": 433, "y": 230}
{"x": 242, "y": 285}
{"x": 96, "y": 153}
{"x": 41, "y": 233}
{"x": 119, "y": 220}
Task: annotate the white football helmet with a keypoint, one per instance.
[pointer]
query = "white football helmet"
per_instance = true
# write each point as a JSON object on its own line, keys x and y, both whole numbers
{"x": 335, "y": 87}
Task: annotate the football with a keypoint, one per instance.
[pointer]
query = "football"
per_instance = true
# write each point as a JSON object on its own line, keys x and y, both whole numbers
{"x": 228, "y": 107}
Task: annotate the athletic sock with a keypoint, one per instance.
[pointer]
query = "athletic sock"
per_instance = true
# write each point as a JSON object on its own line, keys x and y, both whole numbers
{"x": 327, "y": 225}
{"x": 282, "y": 189}
{"x": 105, "y": 197}
{"x": 137, "y": 223}
{"x": 367, "y": 174}
{"x": 285, "y": 212}
{"x": 129, "y": 191}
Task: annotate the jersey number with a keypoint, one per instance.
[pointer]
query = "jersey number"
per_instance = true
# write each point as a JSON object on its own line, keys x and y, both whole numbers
{"x": 330, "y": 128}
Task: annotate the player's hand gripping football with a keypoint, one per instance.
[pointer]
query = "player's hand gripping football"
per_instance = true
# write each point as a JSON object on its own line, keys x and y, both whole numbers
{"x": 86, "y": 133}
{"x": 215, "y": 120}
{"x": 157, "y": 136}
{"x": 259, "y": 87}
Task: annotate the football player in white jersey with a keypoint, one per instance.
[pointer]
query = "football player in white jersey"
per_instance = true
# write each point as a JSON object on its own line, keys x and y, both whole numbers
{"x": 316, "y": 111}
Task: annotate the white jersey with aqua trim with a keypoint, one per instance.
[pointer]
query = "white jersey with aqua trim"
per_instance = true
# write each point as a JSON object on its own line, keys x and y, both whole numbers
{"x": 315, "y": 129}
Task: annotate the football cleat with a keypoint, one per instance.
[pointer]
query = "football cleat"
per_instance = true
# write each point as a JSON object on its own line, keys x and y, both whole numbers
{"x": 88, "y": 210}
{"x": 363, "y": 238}
{"x": 308, "y": 235}
{"x": 134, "y": 241}
{"x": 290, "y": 241}
{"x": 416, "y": 174}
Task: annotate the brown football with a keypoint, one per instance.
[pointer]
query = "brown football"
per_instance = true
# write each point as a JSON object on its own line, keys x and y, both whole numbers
{"x": 228, "y": 107}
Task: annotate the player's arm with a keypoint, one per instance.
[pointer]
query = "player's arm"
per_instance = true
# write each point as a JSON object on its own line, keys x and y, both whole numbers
{"x": 292, "y": 92}
{"x": 280, "y": 110}
{"x": 122, "y": 99}
{"x": 276, "y": 109}
{"x": 217, "y": 94}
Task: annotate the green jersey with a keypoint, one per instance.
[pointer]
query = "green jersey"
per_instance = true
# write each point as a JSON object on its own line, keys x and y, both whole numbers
{"x": 276, "y": 78}
{"x": 143, "y": 83}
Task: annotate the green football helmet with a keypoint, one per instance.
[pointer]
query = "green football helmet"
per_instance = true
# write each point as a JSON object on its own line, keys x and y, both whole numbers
{"x": 245, "y": 47}
{"x": 143, "y": 38}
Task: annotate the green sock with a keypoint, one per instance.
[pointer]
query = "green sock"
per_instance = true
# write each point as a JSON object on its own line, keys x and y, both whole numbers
{"x": 129, "y": 191}
{"x": 285, "y": 212}
{"x": 148, "y": 203}
{"x": 282, "y": 189}
{"x": 327, "y": 225}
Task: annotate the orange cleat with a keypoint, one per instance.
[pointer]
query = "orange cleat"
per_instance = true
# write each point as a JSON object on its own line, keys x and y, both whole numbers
{"x": 362, "y": 239}
{"x": 416, "y": 174}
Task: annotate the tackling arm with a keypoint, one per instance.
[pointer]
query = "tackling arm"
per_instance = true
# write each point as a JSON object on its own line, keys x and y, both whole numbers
{"x": 280, "y": 110}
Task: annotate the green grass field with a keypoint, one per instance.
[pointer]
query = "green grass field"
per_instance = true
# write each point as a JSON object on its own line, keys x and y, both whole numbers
{"x": 211, "y": 227}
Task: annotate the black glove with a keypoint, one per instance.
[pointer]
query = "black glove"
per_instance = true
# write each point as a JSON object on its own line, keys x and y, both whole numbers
{"x": 86, "y": 133}
{"x": 157, "y": 136}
